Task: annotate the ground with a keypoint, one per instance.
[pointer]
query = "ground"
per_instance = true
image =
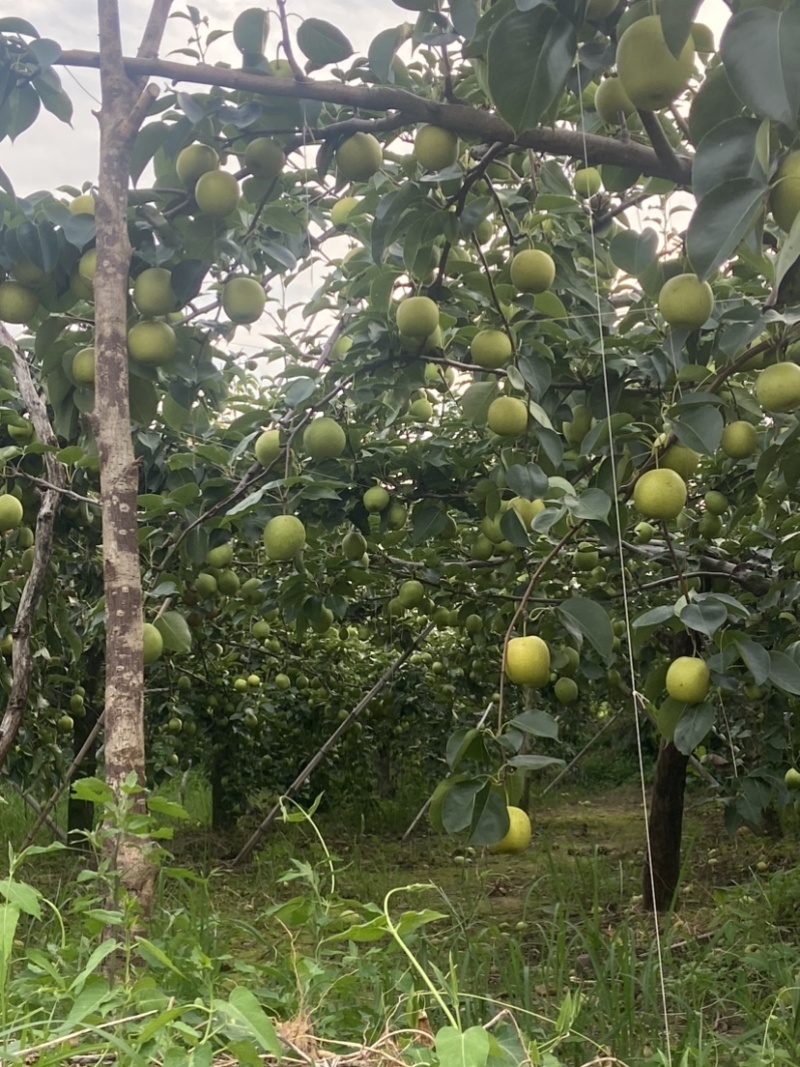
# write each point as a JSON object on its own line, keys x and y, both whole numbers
{"x": 557, "y": 933}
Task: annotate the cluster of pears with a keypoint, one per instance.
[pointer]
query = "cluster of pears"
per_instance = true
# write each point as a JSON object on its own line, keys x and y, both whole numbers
{"x": 417, "y": 318}
{"x": 220, "y": 577}
{"x": 323, "y": 438}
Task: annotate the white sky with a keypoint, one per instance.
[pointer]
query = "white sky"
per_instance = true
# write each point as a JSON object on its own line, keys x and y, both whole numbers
{"x": 50, "y": 154}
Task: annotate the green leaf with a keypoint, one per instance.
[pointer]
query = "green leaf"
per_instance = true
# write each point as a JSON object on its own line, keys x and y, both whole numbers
{"x": 759, "y": 49}
{"x": 730, "y": 150}
{"x": 537, "y": 723}
{"x": 676, "y": 22}
{"x": 784, "y": 673}
{"x": 383, "y": 49}
{"x": 464, "y": 14}
{"x": 93, "y": 790}
{"x": 151, "y": 952}
{"x": 54, "y": 99}
{"x": 789, "y": 252}
{"x": 466, "y": 743}
{"x": 19, "y": 110}
{"x": 654, "y": 617}
{"x": 528, "y": 481}
{"x": 245, "y": 1053}
{"x": 88, "y": 1003}
{"x": 163, "y": 806}
{"x": 388, "y": 215}
{"x": 589, "y": 619}
{"x": 143, "y": 400}
{"x": 301, "y": 390}
{"x": 246, "y": 1007}
{"x": 17, "y": 25}
{"x": 514, "y": 530}
{"x": 22, "y": 896}
{"x": 634, "y": 252}
{"x": 706, "y": 617}
{"x": 250, "y": 31}
{"x": 459, "y": 803}
{"x": 321, "y": 42}
{"x": 5, "y": 184}
{"x": 489, "y": 816}
{"x": 427, "y": 522}
{"x": 9, "y": 918}
{"x": 476, "y": 400}
{"x": 148, "y": 141}
{"x": 410, "y": 921}
{"x": 756, "y": 658}
{"x": 529, "y": 761}
{"x": 699, "y": 427}
{"x": 693, "y": 726}
{"x": 713, "y": 102}
{"x": 79, "y": 230}
{"x": 46, "y": 51}
{"x": 721, "y": 220}
{"x": 529, "y": 58}
{"x": 175, "y": 631}
{"x": 377, "y": 928}
{"x": 593, "y": 504}
{"x": 462, "y": 1048}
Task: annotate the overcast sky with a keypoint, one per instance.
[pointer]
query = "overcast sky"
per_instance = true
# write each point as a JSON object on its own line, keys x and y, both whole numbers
{"x": 50, "y": 154}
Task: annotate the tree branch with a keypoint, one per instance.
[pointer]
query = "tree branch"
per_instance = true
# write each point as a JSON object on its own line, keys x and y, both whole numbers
{"x": 286, "y": 41}
{"x": 22, "y": 662}
{"x": 471, "y": 122}
{"x": 154, "y": 30}
{"x": 673, "y": 166}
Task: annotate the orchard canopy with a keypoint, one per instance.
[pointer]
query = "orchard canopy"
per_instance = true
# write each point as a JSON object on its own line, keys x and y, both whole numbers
{"x": 476, "y": 352}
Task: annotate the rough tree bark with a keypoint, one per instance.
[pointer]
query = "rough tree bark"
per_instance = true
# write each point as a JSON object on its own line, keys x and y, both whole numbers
{"x": 124, "y": 104}
{"x": 665, "y": 827}
{"x": 22, "y": 663}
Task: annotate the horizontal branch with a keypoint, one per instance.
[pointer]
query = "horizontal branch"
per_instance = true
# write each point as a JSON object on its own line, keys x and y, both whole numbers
{"x": 470, "y": 122}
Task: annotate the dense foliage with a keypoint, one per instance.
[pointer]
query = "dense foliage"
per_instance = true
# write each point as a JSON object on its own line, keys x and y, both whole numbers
{"x": 483, "y": 467}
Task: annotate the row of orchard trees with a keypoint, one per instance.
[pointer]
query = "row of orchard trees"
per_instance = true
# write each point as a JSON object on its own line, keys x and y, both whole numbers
{"x": 519, "y": 407}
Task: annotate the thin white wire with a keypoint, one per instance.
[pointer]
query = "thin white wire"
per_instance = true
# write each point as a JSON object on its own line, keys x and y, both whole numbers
{"x": 636, "y": 700}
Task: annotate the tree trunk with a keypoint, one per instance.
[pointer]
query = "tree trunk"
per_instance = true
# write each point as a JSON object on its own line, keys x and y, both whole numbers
{"x": 124, "y": 105}
{"x": 660, "y": 885}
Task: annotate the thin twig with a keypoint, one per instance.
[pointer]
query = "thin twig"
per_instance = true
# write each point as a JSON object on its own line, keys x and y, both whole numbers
{"x": 42, "y": 483}
{"x": 286, "y": 41}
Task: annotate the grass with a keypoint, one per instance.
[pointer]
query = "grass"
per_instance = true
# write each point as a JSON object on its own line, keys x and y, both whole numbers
{"x": 556, "y": 935}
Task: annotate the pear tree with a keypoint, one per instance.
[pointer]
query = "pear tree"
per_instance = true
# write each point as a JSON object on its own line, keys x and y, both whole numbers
{"x": 516, "y": 382}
